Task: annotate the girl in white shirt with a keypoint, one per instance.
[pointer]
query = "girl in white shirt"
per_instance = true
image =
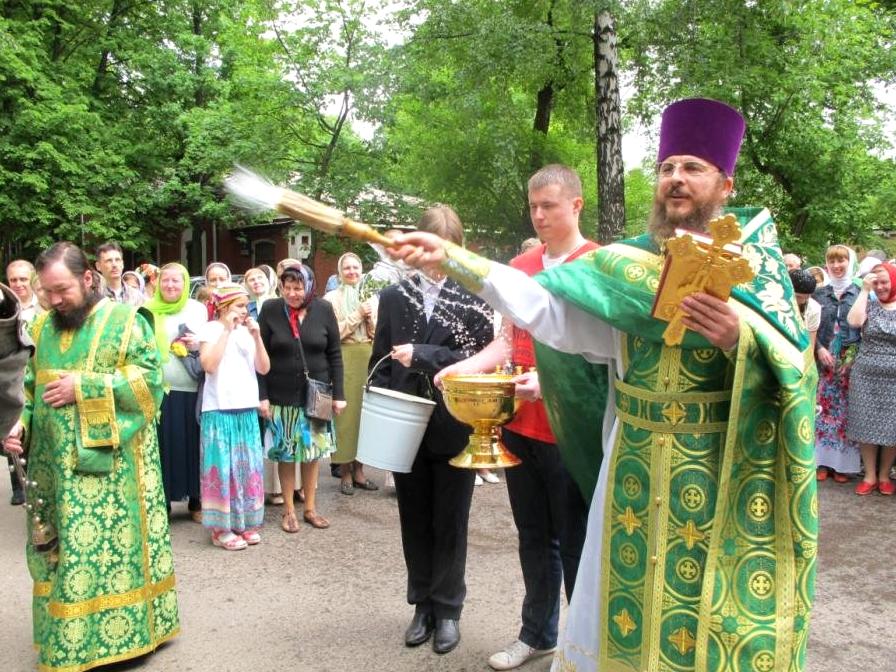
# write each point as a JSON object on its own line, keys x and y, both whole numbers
{"x": 232, "y": 488}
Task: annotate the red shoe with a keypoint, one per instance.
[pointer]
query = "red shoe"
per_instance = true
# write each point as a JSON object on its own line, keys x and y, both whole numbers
{"x": 886, "y": 488}
{"x": 841, "y": 478}
{"x": 866, "y": 488}
{"x": 821, "y": 474}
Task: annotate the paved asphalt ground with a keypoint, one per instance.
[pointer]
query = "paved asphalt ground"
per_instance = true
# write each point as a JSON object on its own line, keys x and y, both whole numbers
{"x": 327, "y": 600}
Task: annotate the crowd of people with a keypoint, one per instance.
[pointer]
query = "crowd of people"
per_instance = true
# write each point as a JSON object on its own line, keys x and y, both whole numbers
{"x": 135, "y": 387}
{"x": 848, "y": 309}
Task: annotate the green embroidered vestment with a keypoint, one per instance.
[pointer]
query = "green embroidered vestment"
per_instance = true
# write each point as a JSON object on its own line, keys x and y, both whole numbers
{"x": 108, "y": 593}
{"x": 710, "y": 514}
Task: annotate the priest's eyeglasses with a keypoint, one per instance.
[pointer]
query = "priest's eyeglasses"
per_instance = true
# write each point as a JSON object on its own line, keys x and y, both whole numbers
{"x": 689, "y": 168}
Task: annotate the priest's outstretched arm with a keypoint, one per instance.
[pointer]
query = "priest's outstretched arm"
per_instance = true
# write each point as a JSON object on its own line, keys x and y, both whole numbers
{"x": 550, "y": 319}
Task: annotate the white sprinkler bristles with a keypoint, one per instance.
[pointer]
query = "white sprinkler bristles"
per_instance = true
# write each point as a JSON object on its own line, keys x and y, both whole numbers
{"x": 251, "y": 191}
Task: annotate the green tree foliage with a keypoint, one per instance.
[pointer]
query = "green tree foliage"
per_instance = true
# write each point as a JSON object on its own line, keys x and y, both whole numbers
{"x": 463, "y": 126}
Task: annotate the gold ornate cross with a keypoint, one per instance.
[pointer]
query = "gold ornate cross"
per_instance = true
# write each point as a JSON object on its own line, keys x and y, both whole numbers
{"x": 698, "y": 266}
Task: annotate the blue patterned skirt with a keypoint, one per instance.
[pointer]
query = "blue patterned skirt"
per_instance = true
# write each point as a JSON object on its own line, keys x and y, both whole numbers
{"x": 291, "y": 437}
{"x": 232, "y": 482}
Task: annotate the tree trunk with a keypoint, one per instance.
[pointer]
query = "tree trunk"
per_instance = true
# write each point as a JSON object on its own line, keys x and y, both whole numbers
{"x": 610, "y": 169}
{"x": 541, "y": 125}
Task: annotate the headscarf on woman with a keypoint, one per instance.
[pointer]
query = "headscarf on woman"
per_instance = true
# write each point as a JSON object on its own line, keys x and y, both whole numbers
{"x": 149, "y": 273}
{"x": 217, "y": 264}
{"x": 351, "y": 294}
{"x": 140, "y": 282}
{"x": 227, "y": 293}
{"x": 306, "y": 278}
{"x": 820, "y": 275}
{"x": 891, "y": 271}
{"x": 839, "y": 285}
{"x": 161, "y": 309}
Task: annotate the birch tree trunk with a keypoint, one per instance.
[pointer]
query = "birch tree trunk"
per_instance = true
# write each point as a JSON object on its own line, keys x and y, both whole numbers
{"x": 610, "y": 169}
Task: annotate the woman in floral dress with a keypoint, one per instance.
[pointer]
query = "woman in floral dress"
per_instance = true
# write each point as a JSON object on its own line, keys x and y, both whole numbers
{"x": 835, "y": 349}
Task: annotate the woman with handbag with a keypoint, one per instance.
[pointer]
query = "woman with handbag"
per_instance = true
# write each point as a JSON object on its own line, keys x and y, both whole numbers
{"x": 356, "y": 317}
{"x": 426, "y": 323}
{"x": 302, "y": 337}
{"x": 177, "y": 319}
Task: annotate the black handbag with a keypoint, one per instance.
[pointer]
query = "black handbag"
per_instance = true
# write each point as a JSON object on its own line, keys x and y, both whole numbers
{"x": 191, "y": 361}
{"x": 318, "y": 394}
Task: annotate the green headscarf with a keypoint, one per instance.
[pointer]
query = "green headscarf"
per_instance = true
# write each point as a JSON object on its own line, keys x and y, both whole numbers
{"x": 161, "y": 309}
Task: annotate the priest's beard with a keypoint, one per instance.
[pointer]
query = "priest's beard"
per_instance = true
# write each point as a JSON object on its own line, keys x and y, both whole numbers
{"x": 75, "y": 318}
{"x": 662, "y": 225}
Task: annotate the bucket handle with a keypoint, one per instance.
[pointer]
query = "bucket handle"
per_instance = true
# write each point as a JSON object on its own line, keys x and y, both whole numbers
{"x": 373, "y": 370}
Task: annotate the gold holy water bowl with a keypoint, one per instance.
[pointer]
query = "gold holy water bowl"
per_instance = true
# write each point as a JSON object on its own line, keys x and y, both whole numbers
{"x": 484, "y": 401}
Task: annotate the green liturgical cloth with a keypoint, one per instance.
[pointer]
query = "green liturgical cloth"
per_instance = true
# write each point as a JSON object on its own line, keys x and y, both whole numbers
{"x": 709, "y": 513}
{"x": 107, "y": 593}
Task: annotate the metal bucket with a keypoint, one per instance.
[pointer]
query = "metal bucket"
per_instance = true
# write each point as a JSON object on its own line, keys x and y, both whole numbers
{"x": 392, "y": 427}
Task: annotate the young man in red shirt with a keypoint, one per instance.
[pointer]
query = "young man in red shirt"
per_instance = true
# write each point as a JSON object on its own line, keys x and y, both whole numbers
{"x": 549, "y": 510}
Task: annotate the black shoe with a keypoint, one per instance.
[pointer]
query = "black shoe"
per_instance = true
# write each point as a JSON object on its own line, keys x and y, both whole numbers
{"x": 419, "y": 630}
{"x": 18, "y": 497}
{"x": 334, "y": 471}
{"x": 447, "y": 635}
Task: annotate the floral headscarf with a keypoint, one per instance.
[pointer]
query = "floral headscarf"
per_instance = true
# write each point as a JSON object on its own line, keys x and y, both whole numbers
{"x": 307, "y": 280}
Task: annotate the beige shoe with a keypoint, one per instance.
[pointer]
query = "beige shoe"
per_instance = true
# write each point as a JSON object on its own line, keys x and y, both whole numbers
{"x": 516, "y": 654}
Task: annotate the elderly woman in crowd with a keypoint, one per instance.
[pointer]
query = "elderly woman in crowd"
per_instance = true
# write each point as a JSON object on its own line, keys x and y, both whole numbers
{"x": 357, "y": 322}
{"x": 425, "y": 324}
{"x": 177, "y": 320}
{"x": 259, "y": 288}
{"x": 135, "y": 281}
{"x": 298, "y": 328}
{"x": 272, "y": 488}
{"x": 232, "y": 353}
{"x": 835, "y": 347}
{"x": 872, "y": 391}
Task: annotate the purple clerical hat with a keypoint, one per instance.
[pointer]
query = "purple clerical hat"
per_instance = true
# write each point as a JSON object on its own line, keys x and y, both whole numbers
{"x": 704, "y": 128}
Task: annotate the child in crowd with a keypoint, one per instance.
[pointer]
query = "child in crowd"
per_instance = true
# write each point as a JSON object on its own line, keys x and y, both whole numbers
{"x": 231, "y": 485}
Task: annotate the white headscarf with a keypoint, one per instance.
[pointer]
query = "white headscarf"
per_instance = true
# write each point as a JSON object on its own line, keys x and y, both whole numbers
{"x": 839, "y": 285}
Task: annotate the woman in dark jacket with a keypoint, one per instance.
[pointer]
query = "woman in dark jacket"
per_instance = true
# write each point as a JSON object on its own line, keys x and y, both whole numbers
{"x": 292, "y": 326}
{"x": 427, "y": 323}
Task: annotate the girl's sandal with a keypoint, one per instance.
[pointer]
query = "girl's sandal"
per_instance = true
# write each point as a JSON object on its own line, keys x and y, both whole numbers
{"x": 290, "y": 523}
{"x": 229, "y": 541}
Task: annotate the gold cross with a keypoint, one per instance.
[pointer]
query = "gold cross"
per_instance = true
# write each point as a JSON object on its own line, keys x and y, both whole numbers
{"x": 759, "y": 507}
{"x": 682, "y": 640}
{"x": 629, "y": 521}
{"x": 674, "y": 412}
{"x": 625, "y": 623}
{"x": 690, "y": 534}
{"x": 696, "y": 266}
{"x": 765, "y": 662}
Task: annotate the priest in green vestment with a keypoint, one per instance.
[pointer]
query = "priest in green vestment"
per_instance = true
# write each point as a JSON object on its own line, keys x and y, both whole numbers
{"x": 702, "y": 536}
{"x": 104, "y": 589}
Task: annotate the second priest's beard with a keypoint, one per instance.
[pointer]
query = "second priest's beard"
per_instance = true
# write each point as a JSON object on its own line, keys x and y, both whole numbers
{"x": 76, "y": 317}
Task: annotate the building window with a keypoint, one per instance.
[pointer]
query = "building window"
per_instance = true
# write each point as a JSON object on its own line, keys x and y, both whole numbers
{"x": 263, "y": 252}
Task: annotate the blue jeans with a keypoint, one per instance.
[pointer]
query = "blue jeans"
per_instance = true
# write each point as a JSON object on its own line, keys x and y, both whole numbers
{"x": 550, "y": 516}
